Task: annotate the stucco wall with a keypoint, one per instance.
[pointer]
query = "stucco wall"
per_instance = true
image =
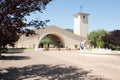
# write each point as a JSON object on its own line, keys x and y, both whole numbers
{"x": 68, "y": 38}
{"x": 81, "y": 24}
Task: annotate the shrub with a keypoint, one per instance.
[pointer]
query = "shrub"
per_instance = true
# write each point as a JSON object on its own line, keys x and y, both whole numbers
{"x": 76, "y": 46}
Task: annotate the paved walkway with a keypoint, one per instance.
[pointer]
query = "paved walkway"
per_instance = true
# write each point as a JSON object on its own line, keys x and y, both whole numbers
{"x": 107, "y": 65}
{"x": 61, "y": 65}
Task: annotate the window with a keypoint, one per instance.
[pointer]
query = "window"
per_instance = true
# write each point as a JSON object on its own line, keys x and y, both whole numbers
{"x": 83, "y": 16}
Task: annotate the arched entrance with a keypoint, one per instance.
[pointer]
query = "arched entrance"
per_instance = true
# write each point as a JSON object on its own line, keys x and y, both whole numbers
{"x": 52, "y": 41}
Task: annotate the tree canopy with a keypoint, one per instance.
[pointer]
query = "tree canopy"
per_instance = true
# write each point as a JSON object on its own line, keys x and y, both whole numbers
{"x": 95, "y": 38}
{"x": 47, "y": 40}
{"x": 113, "y": 39}
{"x": 13, "y": 20}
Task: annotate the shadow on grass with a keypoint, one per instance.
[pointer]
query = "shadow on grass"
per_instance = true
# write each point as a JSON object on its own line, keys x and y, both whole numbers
{"x": 14, "y": 58}
{"x": 47, "y": 72}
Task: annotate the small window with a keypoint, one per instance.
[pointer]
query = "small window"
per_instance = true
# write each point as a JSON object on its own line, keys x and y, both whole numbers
{"x": 84, "y": 17}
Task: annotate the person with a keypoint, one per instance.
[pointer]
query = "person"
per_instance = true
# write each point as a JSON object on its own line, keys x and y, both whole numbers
{"x": 81, "y": 46}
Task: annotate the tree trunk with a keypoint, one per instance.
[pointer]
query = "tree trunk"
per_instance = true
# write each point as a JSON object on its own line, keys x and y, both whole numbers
{"x": 0, "y": 53}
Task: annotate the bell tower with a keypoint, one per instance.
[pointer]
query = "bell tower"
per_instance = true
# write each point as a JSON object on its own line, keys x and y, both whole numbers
{"x": 81, "y": 24}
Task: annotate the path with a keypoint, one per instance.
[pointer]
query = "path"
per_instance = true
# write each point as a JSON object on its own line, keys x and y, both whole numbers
{"x": 104, "y": 65}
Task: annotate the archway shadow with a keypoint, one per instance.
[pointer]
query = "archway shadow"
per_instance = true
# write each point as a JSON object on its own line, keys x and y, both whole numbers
{"x": 47, "y": 72}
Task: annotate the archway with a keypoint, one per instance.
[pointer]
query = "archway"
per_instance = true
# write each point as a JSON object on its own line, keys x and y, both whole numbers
{"x": 53, "y": 41}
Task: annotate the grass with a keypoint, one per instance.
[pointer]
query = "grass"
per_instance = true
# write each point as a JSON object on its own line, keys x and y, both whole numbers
{"x": 2, "y": 57}
{"x": 16, "y": 48}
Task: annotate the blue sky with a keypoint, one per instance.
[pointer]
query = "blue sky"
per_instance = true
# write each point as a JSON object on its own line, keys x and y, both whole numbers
{"x": 104, "y": 14}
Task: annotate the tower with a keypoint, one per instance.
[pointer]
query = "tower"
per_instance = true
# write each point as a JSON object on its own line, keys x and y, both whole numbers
{"x": 81, "y": 24}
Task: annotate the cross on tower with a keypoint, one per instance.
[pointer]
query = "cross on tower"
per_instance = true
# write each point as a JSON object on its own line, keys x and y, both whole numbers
{"x": 80, "y": 8}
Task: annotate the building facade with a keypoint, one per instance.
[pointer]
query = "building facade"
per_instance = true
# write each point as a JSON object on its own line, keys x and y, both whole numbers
{"x": 81, "y": 24}
{"x": 60, "y": 36}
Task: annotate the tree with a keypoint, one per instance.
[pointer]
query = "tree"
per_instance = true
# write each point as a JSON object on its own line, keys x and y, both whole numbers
{"x": 46, "y": 41}
{"x": 70, "y": 30}
{"x": 95, "y": 38}
{"x": 113, "y": 39}
{"x": 13, "y": 22}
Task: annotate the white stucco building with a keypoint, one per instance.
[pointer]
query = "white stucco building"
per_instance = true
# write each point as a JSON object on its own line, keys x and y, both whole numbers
{"x": 81, "y": 24}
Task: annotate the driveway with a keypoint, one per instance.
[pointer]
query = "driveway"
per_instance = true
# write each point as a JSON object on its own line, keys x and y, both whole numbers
{"x": 59, "y": 65}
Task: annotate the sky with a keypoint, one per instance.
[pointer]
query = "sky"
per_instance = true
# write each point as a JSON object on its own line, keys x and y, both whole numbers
{"x": 104, "y": 14}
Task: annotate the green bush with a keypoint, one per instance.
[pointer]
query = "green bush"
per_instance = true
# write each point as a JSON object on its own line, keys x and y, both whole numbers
{"x": 4, "y": 50}
{"x": 116, "y": 48}
{"x": 101, "y": 44}
{"x": 2, "y": 57}
{"x": 76, "y": 46}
